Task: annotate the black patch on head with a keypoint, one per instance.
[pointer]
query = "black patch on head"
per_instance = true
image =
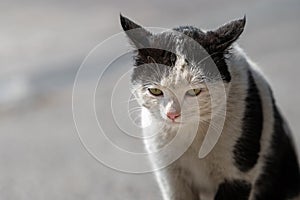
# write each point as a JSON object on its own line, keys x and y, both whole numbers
{"x": 216, "y": 43}
{"x": 205, "y": 41}
{"x": 280, "y": 178}
{"x": 151, "y": 55}
{"x": 247, "y": 148}
{"x": 233, "y": 190}
{"x": 152, "y": 64}
{"x": 191, "y": 32}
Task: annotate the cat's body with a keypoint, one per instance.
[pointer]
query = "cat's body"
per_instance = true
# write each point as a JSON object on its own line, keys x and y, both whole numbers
{"x": 253, "y": 158}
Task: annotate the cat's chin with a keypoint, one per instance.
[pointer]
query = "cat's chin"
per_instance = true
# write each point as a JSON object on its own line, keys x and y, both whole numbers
{"x": 177, "y": 123}
{"x": 174, "y": 123}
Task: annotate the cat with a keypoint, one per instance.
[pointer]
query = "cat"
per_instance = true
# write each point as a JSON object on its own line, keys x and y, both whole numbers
{"x": 254, "y": 157}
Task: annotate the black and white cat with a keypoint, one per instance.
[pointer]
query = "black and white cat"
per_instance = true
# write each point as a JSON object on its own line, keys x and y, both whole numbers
{"x": 254, "y": 157}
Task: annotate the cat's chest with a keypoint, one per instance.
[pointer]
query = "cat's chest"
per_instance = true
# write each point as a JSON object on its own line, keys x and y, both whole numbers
{"x": 198, "y": 173}
{"x": 207, "y": 173}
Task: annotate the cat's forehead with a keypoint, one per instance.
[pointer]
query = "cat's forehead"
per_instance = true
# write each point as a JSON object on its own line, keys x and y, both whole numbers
{"x": 180, "y": 75}
{"x": 161, "y": 71}
{"x": 180, "y": 40}
{"x": 173, "y": 59}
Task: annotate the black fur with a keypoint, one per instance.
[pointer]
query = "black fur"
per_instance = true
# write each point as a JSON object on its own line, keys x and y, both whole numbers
{"x": 246, "y": 150}
{"x": 280, "y": 179}
{"x": 205, "y": 41}
{"x": 233, "y": 190}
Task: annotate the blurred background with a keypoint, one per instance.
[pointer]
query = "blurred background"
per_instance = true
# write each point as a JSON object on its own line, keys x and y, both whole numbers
{"x": 43, "y": 43}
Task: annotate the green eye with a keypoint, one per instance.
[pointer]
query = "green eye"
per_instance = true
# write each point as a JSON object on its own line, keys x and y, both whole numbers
{"x": 193, "y": 92}
{"x": 155, "y": 91}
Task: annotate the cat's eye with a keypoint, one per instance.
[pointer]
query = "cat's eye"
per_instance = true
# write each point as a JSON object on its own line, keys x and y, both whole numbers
{"x": 155, "y": 91}
{"x": 193, "y": 92}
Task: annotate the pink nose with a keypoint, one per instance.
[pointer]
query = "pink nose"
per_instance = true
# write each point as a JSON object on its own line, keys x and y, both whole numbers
{"x": 173, "y": 115}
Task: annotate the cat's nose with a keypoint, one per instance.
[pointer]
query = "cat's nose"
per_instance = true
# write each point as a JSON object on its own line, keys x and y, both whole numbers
{"x": 173, "y": 115}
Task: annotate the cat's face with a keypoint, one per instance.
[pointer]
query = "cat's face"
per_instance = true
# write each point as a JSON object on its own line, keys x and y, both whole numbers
{"x": 176, "y": 95}
{"x": 172, "y": 75}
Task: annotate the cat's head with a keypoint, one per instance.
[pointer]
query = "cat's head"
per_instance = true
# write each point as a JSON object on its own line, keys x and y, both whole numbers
{"x": 174, "y": 68}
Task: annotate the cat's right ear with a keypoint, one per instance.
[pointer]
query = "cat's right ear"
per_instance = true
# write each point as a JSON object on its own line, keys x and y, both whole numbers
{"x": 138, "y": 35}
{"x": 222, "y": 38}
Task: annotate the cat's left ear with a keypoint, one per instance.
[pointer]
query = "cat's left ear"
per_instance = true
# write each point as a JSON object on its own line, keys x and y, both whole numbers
{"x": 139, "y": 36}
{"x": 224, "y": 36}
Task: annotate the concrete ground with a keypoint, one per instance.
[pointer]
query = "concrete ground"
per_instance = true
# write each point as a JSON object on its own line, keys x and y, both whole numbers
{"x": 42, "y": 47}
